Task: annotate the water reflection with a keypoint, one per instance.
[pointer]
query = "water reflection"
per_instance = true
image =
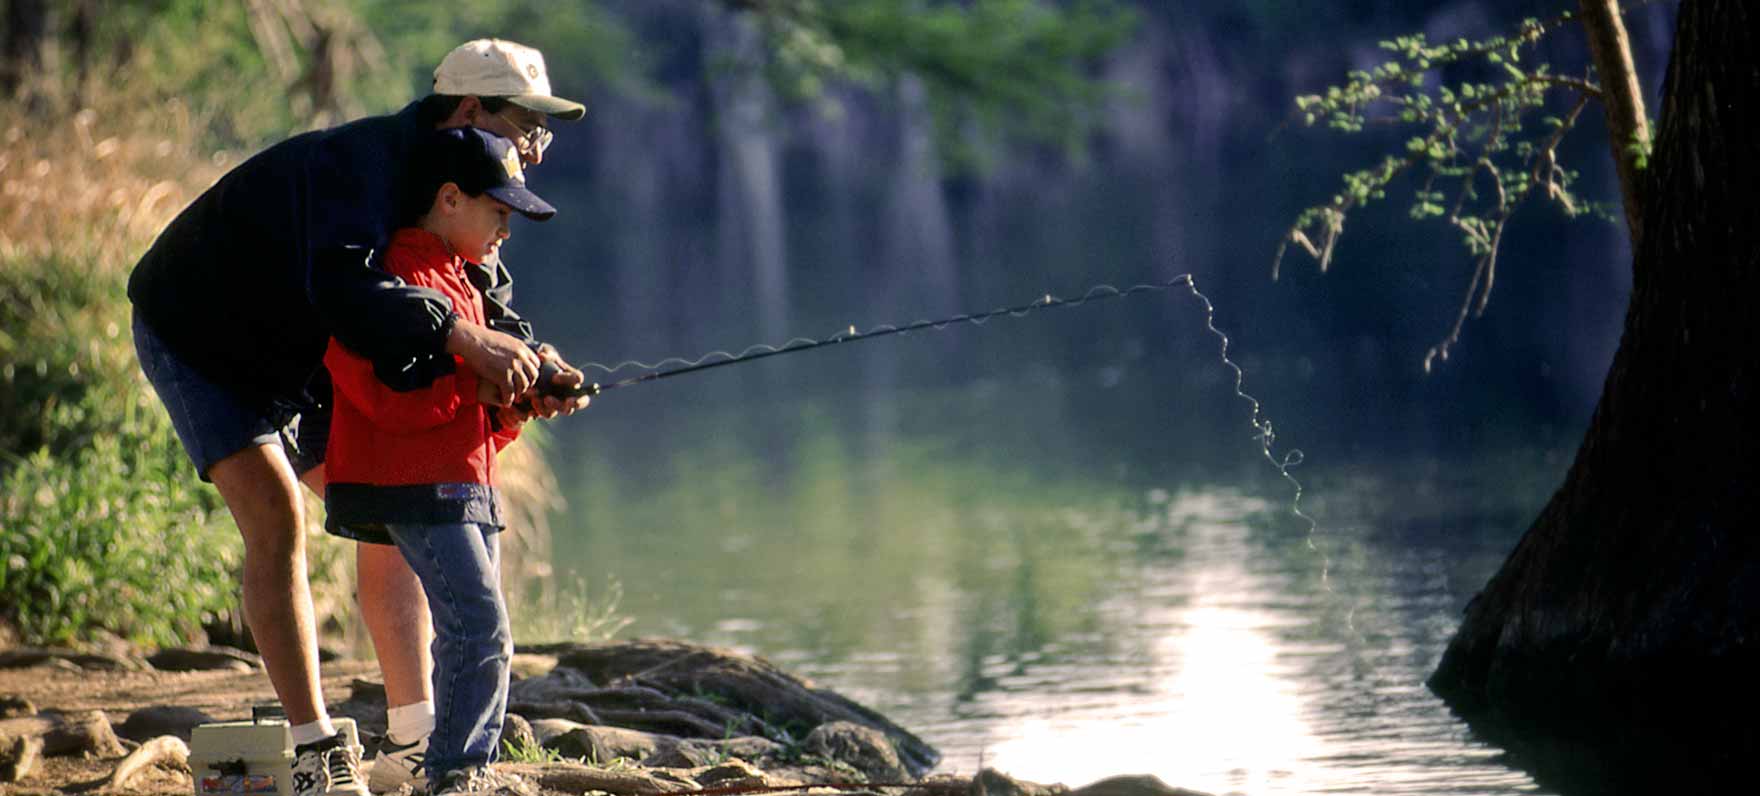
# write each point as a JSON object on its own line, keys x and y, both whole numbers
{"x": 1211, "y": 707}
{"x": 1045, "y": 617}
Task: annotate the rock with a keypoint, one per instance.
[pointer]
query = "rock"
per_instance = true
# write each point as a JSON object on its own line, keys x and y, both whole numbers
{"x": 366, "y": 705}
{"x": 600, "y": 745}
{"x": 698, "y": 754}
{"x": 553, "y": 685}
{"x": 212, "y": 658}
{"x": 165, "y": 751}
{"x": 861, "y": 747}
{"x": 706, "y": 683}
{"x": 682, "y": 753}
{"x": 545, "y": 730}
{"x": 63, "y": 733}
{"x": 18, "y": 757}
{"x": 575, "y": 778}
{"x": 525, "y": 666}
{"x": 518, "y": 732}
{"x": 749, "y": 748}
{"x": 1135, "y": 785}
{"x": 731, "y": 774}
{"x": 12, "y": 707}
{"x": 113, "y": 649}
{"x": 149, "y": 723}
{"x": 991, "y": 782}
{"x": 64, "y": 659}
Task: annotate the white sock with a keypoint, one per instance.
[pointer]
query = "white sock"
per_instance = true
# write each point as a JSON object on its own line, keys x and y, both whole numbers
{"x": 312, "y": 732}
{"x": 410, "y": 722}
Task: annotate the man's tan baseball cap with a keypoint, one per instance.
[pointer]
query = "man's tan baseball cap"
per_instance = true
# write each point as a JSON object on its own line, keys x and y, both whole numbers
{"x": 497, "y": 68}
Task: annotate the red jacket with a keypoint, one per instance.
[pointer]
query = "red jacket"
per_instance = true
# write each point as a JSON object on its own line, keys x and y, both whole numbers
{"x": 425, "y": 456}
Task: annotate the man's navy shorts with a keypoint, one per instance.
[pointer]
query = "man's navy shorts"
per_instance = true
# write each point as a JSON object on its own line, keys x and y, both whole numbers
{"x": 214, "y": 422}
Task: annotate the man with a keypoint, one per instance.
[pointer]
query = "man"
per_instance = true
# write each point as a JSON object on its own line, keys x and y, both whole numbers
{"x": 234, "y": 306}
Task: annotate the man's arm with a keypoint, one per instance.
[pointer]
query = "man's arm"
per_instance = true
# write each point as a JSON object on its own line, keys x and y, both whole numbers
{"x": 391, "y": 323}
{"x": 495, "y": 283}
{"x": 373, "y": 312}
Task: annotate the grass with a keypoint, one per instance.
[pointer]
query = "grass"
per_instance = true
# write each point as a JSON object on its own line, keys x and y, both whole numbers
{"x": 518, "y": 751}
{"x": 105, "y": 530}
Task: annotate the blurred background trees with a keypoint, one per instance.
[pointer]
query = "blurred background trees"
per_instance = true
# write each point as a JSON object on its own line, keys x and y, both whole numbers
{"x": 117, "y": 114}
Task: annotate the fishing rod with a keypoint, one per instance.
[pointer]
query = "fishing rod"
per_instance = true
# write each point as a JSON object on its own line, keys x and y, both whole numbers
{"x": 1262, "y": 430}
{"x": 716, "y": 359}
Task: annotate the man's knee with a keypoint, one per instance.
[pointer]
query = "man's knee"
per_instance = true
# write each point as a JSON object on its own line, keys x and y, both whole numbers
{"x": 260, "y": 489}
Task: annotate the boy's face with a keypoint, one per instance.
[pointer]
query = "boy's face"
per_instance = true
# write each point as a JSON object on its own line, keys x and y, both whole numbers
{"x": 477, "y": 227}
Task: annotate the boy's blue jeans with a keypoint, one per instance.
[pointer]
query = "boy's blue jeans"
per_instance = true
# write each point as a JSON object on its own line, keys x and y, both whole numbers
{"x": 458, "y": 565}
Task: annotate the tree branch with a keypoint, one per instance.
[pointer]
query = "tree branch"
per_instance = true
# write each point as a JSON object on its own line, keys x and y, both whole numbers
{"x": 1627, "y": 126}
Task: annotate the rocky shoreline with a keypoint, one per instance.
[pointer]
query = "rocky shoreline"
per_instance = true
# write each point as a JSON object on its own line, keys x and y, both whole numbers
{"x": 639, "y": 717}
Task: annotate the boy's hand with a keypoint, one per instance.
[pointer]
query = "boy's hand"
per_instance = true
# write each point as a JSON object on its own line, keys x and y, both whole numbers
{"x": 511, "y": 416}
{"x": 548, "y": 406}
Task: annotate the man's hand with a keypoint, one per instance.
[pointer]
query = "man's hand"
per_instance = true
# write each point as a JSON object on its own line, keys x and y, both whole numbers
{"x": 490, "y": 394}
{"x": 548, "y": 406}
{"x": 497, "y": 357}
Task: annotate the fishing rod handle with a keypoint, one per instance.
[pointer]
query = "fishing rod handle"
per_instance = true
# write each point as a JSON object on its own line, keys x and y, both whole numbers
{"x": 547, "y": 386}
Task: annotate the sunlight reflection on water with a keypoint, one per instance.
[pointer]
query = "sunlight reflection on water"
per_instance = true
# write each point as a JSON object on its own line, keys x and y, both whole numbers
{"x": 1235, "y": 695}
{"x": 1064, "y": 633}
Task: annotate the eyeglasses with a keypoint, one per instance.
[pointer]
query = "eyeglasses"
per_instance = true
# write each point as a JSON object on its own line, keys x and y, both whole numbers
{"x": 531, "y": 142}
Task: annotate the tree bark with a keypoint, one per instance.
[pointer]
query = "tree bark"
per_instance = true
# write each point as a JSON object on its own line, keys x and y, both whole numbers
{"x": 1629, "y": 613}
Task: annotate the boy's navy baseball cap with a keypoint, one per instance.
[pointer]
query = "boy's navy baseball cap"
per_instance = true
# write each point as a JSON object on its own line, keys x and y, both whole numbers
{"x": 481, "y": 162}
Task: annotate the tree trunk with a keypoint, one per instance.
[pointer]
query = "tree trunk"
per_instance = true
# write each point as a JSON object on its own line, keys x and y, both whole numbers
{"x": 1629, "y": 614}
{"x": 27, "y": 28}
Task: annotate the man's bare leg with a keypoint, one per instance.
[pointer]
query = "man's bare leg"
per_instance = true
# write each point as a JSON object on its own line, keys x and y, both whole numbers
{"x": 260, "y": 489}
{"x": 396, "y": 613}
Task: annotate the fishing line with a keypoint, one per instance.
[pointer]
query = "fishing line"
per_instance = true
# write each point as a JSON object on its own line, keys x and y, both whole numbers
{"x": 1262, "y": 429}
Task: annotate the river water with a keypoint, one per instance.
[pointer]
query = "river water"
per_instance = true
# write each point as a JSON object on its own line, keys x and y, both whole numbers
{"x": 1029, "y": 592}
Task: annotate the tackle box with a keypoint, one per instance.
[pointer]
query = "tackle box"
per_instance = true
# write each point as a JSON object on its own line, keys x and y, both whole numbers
{"x": 254, "y": 756}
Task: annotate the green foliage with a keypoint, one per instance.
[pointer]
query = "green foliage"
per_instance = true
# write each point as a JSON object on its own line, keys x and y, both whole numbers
{"x": 994, "y": 71}
{"x": 583, "y": 44}
{"x": 518, "y": 751}
{"x": 104, "y": 528}
{"x": 1474, "y": 144}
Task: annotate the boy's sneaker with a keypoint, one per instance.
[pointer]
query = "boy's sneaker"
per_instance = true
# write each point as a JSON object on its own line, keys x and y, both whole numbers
{"x": 330, "y": 767}
{"x": 482, "y": 780}
{"x": 397, "y": 765}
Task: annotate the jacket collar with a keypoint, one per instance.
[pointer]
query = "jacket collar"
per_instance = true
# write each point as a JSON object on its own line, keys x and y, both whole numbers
{"x": 426, "y": 245}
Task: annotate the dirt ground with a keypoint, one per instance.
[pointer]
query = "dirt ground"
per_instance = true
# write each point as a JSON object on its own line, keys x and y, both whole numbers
{"x": 226, "y": 695}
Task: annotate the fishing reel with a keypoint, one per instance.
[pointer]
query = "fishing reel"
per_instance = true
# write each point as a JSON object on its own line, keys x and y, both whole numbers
{"x": 547, "y": 386}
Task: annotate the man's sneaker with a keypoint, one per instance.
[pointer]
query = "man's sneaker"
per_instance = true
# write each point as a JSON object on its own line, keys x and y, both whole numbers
{"x": 397, "y": 765}
{"x": 482, "y": 780}
{"x": 330, "y": 767}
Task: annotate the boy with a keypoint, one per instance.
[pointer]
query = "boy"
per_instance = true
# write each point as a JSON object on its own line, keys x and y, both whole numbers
{"x": 416, "y": 467}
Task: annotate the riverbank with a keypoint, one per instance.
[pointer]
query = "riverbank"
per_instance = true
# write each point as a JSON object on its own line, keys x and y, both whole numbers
{"x": 641, "y": 717}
